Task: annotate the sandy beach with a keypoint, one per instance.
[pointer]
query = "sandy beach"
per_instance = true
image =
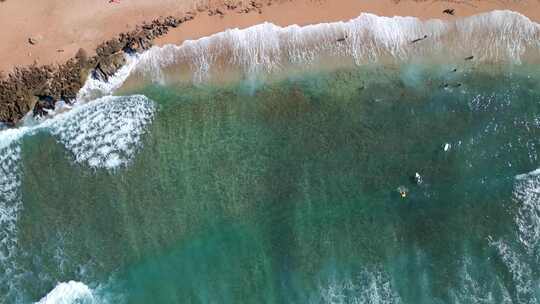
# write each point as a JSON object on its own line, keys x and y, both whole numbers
{"x": 60, "y": 28}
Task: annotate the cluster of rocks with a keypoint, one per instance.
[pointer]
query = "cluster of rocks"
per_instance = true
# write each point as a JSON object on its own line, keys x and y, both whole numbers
{"x": 254, "y": 6}
{"x": 237, "y": 6}
{"x": 38, "y": 88}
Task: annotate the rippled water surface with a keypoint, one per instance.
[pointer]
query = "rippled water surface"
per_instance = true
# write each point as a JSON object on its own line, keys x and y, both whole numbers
{"x": 286, "y": 192}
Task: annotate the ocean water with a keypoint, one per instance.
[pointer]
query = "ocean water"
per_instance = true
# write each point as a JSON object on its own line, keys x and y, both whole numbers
{"x": 263, "y": 166}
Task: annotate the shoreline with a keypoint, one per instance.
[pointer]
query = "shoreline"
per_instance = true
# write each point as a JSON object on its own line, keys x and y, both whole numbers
{"x": 308, "y": 12}
{"x": 62, "y": 40}
{"x": 39, "y": 85}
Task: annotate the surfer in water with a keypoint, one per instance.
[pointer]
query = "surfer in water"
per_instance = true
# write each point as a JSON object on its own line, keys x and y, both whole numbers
{"x": 403, "y": 191}
{"x": 419, "y": 39}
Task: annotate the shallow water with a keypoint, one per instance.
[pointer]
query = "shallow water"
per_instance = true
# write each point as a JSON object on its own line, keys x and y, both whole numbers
{"x": 277, "y": 182}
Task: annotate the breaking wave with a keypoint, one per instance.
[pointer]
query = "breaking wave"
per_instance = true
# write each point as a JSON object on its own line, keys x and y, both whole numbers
{"x": 521, "y": 257}
{"x": 10, "y": 205}
{"x": 472, "y": 288}
{"x": 70, "y": 293}
{"x": 106, "y": 134}
{"x": 94, "y": 88}
{"x": 498, "y": 36}
{"x": 520, "y": 271}
{"x": 527, "y": 194}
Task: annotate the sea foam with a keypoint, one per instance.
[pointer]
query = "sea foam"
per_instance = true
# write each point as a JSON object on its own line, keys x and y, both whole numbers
{"x": 70, "y": 293}
{"x": 527, "y": 195}
{"x": 498, "y": 36}
{"x": 370, "y": 286}
{"x": 95, "y": 88}
{"x": 519, "y": 270}
{"x": 472, "y": 288}
{"x": 519, "y": 262}
{"x": 106, "y": 133}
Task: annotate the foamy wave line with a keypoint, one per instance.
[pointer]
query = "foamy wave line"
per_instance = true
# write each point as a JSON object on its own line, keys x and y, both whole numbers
{"x": 496, "y": 36}
{"x": 521, "y": 273}
{"x": 518, "y": 261}
{"x": 10, "y": 205}
{"x": 370, "y": 286}
{"x": 95, "y": 129}
{"x": 472, "y": 288}
{"x": 106, "y": 134}
{"x": 527, "y": 194}
{"x": 70, "y": 293}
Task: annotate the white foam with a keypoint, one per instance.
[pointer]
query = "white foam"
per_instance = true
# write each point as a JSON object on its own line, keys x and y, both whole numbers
{"x": 531, "y": 174}
{"x": 373, "y": 286}
{"x": 520, "y": 271}
{"x": 10, "y": 206}
{"x": 494, "y": 36}
{"x": 71, "y": 292}
{"x": 102, "y": 134}
{"x": 106, "y": 133}
{"x": 472, "y": 288}
{"x": 527, "y": 195}
{"x": 94, "y": 88}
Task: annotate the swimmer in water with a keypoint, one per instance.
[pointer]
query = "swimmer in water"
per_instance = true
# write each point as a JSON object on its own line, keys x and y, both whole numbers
{"x": 403, "y": 191}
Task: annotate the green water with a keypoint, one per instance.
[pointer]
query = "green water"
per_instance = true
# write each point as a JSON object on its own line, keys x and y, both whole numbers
{"x": 285, "y": 192}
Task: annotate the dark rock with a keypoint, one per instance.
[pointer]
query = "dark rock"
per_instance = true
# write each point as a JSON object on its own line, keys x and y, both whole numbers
{"x": 33, "y": 41}
{"x": 37, "y": 89}
{"x": 107, "y": 66}
{"x": 43, "y": 104}
{"x": 109, "y": 47}
{"x": 256, "y": 4}
{"x": 449, "y": 11}
{"x": 188, "y": 18}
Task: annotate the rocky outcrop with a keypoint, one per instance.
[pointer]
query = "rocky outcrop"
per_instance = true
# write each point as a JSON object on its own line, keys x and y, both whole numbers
{"x": 38, "y": 88}
{"x": 108, "y": 65}
{"x": 44, "y": 104}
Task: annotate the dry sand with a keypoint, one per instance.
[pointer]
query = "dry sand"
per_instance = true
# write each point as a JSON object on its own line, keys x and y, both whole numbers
{"x": 61, "y": 27}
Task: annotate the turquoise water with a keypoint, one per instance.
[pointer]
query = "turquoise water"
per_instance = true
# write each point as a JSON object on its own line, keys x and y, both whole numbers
{"x": 285, "y": 191}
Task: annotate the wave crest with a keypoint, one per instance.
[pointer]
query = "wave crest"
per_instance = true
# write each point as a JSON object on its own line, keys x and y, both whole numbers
{"x": 106, "y": 133}
{"x": 500, "y": 36}
{"x": 69, "y": 293}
